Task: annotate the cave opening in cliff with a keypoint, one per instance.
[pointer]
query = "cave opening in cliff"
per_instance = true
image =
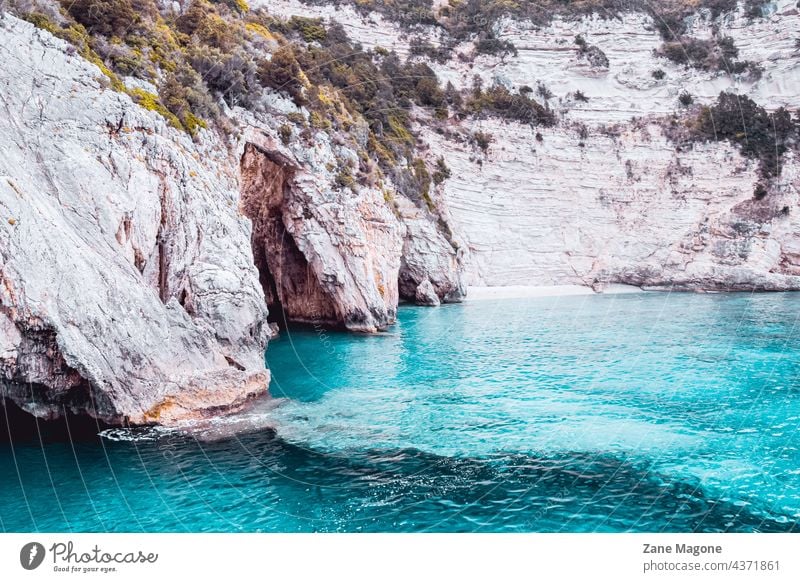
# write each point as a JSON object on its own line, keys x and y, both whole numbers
{"x": 19, "y": 426}
{"x": 291, "y": 289}
{"x": 271, "y": 297}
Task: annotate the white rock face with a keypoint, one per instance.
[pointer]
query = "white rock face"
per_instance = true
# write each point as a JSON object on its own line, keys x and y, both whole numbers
{"x": 625, "y": 208}
{"x": 605, "y": 197}
{"x": 127, "y": 286}
{"x": 432, "y": 265}
{"x": 613, "y": 200}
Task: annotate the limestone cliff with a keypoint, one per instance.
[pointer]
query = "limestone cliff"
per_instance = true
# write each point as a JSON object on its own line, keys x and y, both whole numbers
{"x": 128, "y": 287}
{"x": 607, "y": 194}
{"x": 138, "y": 261}
{"x": 332, "y": 254}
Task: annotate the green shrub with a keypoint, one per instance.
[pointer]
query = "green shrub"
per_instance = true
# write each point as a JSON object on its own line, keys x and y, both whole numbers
{"x": 592, "y": 53}
{"x": 297, "y": 118}
{"x": 152, "y": 102}
{"x": 106, "y": 17}
{"x": 453, "y": 96}
{"x": 344, "y": 179}
{"x": 239, "y": 6}
{"x": 421, "y": 47}
{"x": 500, "y": 102}
{"x": 759, "y": 134}
{"x": 482, "y": 140}
{"x": 441, "y": 173}
{"x": 193, "y": 17}
{"x": 184, "y": 95}
{"x": 495, "y": 46}
{"x": 399, "y": 131}
{"x": 283, "y": 73}
{"x": 215, "y": 31}
{"x": 234, "y": 76}
{"x": 687, "y": 51}
{"x": 429, "y": 93}
{"x": 285, "y": 133}
{"x": 715, "y": 54}
{"x": 414, "y": 182}
{"x": 422, "y": 177}
{"x": 754, "y": 8}
{"x": 42, "y": 21}
{"x": 542, "y": 91}
{"x": 311, "y": 29}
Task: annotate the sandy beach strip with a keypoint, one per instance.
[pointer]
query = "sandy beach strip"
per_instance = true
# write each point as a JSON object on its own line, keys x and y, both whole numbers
{"x": 524, "y": 291}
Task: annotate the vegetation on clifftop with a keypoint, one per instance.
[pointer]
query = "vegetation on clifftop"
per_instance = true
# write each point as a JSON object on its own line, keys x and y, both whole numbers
{"x": 195, "y": 61}
{"x": 220, "y": 54}
{"x": 758, "y": 134}
{"x": 475, "y": 21}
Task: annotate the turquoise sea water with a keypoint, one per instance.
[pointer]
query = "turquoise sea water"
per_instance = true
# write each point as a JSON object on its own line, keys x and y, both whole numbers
{"x": 647, "y": 412}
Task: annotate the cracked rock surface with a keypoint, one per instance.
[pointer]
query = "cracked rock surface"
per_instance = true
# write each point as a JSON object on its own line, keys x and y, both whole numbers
{"x": 127, "y": 286}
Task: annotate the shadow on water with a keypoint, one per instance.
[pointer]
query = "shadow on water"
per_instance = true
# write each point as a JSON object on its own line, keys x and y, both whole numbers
{"x": 410, "y": 490}
{"x": 18, "y": 426}
{"x": 259, "y": 482}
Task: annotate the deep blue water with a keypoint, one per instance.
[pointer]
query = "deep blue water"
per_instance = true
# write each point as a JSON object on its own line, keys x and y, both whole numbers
{"x": 647, "y": 412}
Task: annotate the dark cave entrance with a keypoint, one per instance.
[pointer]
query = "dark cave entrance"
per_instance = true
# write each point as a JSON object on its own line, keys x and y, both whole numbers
{"x": 292, "y": 290}
{"x": 19, "y": 427}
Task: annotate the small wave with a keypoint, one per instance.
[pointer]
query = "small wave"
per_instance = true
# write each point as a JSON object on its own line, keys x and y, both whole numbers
{"x": 254, "y": 419}
{"x": 138, "y": 434}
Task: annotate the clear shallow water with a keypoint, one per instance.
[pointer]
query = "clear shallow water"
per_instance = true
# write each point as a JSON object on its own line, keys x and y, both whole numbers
{"x": 649, "y": 412}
